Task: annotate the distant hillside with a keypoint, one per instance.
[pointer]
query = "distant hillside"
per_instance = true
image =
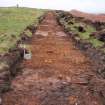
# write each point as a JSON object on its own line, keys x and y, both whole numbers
{"x": 92, "y": 17}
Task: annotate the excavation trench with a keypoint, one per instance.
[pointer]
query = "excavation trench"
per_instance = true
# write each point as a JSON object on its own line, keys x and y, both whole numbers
{"x": 57, "y": 74}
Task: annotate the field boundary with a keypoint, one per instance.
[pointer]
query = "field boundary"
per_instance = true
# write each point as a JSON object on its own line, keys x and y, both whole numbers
{"x": 10, "y": 60}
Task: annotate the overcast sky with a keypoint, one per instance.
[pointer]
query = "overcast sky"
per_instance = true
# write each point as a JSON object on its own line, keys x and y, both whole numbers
{"x": 92, "y": 6}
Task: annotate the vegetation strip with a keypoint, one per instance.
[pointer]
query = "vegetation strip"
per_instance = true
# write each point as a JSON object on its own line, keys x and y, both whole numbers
{"x": 14, "y": 56}
{"x": 81, "y": 33}
{"x": 12, "y": 22}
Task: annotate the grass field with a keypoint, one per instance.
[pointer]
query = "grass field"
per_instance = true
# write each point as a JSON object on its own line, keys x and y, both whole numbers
{"x": 12, "y": 22}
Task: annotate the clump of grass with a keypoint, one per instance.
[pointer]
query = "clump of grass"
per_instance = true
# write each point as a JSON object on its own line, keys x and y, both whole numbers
{"x": 88, "y": 31}
{"x": 12, "y": 22}
{"x": 84, "y": 35}
{"x": 96, "y": 43}
{"x": 28, "y": 33}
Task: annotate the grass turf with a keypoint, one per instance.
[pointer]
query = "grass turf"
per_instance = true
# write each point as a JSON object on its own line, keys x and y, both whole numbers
{"x": 83, "y": 35}
{"x": 12, "y": 22}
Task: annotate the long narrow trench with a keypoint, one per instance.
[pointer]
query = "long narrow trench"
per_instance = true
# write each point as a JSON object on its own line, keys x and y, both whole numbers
{"x": 57, "y": 74}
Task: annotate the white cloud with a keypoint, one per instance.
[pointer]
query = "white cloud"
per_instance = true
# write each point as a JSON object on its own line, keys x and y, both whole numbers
{"x": 84, "y": 5}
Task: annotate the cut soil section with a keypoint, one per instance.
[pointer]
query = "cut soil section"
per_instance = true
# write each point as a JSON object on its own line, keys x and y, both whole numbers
{"x": 57, "y": 74}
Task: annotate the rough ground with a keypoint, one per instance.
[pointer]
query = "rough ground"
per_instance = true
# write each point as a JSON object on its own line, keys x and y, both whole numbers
{"x": 57, "y": 74}
{"x": 89, "y": 16}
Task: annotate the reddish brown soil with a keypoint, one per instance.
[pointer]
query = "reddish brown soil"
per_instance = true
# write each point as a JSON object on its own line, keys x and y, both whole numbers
{"x": 57, "y": 74}
{"x": 92, "y": 17}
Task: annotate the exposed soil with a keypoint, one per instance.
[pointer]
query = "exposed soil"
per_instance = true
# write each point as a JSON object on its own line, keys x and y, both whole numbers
{"x": 57, "y": 74}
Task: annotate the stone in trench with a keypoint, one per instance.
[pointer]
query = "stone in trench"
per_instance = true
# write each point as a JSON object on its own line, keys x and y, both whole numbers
{"x": 48, "y": 61}
{"x": 79, "y": 80}
{"x": 72, "y": 100}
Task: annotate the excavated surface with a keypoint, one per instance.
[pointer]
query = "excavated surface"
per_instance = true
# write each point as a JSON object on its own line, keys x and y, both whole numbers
{"x": 57, "y": 74}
